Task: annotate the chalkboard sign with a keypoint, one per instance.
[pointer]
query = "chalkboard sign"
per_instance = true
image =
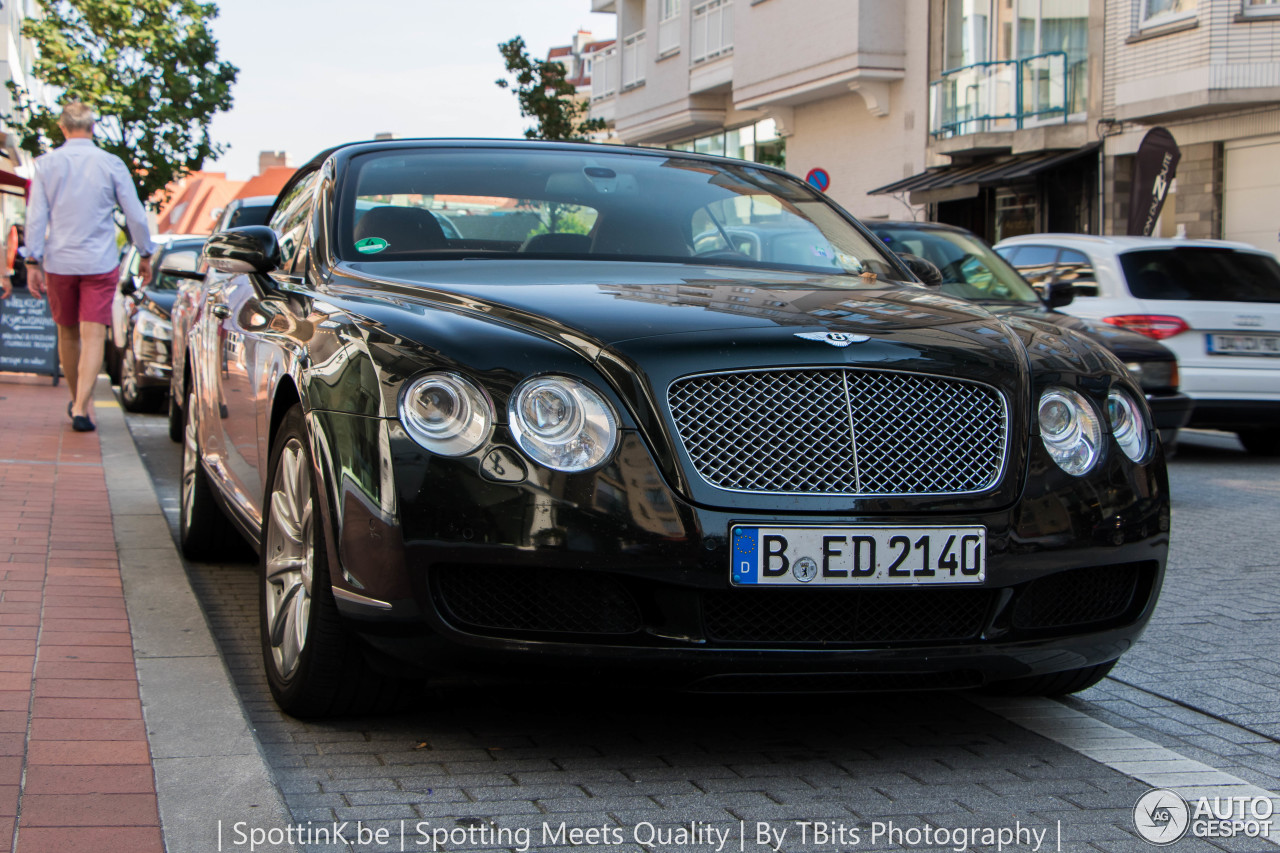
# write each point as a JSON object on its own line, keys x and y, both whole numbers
{"x": 28, "y": 336}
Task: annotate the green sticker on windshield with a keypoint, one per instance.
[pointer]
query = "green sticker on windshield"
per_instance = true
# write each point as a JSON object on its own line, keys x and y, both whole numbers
{"x": 370, "y": 245}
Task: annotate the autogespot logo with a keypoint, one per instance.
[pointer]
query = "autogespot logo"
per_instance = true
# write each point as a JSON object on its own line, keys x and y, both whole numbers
{"x": 1161, "y": 816}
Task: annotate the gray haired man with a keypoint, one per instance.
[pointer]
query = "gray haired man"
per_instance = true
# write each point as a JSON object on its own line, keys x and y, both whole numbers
{"x": 71, "y": 247}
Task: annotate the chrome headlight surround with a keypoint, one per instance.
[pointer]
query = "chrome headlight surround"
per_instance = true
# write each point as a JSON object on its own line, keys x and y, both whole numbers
{"x": 1070, "y": 429}
{"x": 446, "y": 413}
{"x": 148, "y": 324}
{"x": 562, "y": 423}
{"x": 1127, "y": 426}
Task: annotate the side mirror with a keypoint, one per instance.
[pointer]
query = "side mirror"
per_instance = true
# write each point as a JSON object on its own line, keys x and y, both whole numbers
{"x": 129, "y": 286}
{"x": 1059, "y": 293}
{"x": 922, "y": 269}
{"x": 253, "y": 248}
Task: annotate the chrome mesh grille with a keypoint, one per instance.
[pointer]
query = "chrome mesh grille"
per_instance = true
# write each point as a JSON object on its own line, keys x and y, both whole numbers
{"x": 839, "y": 431}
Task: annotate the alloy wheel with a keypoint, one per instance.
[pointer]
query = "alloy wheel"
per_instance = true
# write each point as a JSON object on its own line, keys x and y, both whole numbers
{"x": 190, "y": 461}
{"x": 289, "y": 559}
{"x": 129, "y": 389}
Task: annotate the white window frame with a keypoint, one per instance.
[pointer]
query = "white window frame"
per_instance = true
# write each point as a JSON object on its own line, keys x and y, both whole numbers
{"x": 669, "y": 25}
{"x": 721, "y": 12}
{"x": 1263, "y": 9}
{"x": 1147, "y": 21}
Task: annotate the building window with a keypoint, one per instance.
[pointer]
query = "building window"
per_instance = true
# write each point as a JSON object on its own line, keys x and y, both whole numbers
{"x": 1262, "y": 7}
{"x": 668, "y": 27}
{"x": 1011, "y": 64}
{"x": 711, "y": 33}
{"x": 758, "y": 142}
{"x": 1157, "y": 13}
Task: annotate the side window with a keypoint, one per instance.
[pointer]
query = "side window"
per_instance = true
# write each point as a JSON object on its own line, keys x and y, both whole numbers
{"x": 290, "y": 220}
{"x": 1075, "y": 268}
{"x": 1010, "y": 254}
{"x": 1036, "y": 263}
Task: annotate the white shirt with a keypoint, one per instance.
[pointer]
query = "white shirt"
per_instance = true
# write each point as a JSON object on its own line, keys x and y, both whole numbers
{"x": 70, "y": 226}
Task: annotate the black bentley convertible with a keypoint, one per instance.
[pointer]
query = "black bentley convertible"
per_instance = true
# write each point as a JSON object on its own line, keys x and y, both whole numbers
{"x": 486, "y": 406}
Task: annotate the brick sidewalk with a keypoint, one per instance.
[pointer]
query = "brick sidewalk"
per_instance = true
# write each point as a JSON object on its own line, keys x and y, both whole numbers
{"x": 75, "y": 765}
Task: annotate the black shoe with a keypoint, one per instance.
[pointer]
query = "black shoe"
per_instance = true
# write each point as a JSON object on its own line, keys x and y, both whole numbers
{"x": 81, "y": 423}
{"x": 69, "y": 405}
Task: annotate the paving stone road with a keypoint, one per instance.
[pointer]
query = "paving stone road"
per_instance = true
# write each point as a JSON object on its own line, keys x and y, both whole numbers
{"x": 488, "y": 766}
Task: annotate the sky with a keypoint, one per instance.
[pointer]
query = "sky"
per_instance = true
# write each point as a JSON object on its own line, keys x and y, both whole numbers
{"x": 315, "y": 73}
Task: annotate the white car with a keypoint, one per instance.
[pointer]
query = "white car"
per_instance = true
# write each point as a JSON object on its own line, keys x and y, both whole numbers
{"x": 1215, "y": 304}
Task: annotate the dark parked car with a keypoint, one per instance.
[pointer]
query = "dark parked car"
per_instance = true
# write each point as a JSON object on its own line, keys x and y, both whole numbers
{"x": 141, "y": 331}
{"x": 567, "y": 441}
{"x": 239, "y": 212}
{"x": 973, "y": 270}
{"x": 253, "y": 210}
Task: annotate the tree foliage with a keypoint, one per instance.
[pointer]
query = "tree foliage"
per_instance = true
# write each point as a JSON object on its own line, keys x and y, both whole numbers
{"x": 546, "y": 96}
{"x": 150, "y": 70}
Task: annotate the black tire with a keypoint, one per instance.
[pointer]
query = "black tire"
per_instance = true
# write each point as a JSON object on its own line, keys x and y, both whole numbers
{"x": 204, "y": 533}
{"x": 1054, "y": 683}
{"x": 316, "y": 669}
{"x": 1261, "y": 442}
{"x": 133, "y": 396}
{"x": 111, "y": 360}
{"x": 175, "y": 419}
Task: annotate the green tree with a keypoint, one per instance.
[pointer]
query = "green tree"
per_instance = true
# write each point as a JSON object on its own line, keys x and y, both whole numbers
{"x": 150, "y": 70}
{"x": 546, "y": 96}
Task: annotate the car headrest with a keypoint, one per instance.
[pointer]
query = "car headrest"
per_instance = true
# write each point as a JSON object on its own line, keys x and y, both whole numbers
{"x": 406, "y": 229}
{"x": 575, "y": 244}
{"x": 639, "y": 237}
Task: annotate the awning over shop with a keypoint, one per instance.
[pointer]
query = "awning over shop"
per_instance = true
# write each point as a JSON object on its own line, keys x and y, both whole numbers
{"x": 955, "y": 182}
{"x": 9, "y": 181}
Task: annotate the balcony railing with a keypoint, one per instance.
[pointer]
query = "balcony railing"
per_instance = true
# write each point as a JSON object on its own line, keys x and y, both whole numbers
{"x": 1007, "y": 95}
{"x": 711, "y": 32}
{"x": 604, "y": 73}
{"x": 633, "y": 60}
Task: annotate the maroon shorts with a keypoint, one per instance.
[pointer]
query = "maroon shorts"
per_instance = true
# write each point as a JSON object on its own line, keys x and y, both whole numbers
{"x": 76, "y": 299}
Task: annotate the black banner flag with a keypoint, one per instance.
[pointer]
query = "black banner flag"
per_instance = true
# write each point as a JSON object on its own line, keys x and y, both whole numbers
{"x": 1154, "y": 168}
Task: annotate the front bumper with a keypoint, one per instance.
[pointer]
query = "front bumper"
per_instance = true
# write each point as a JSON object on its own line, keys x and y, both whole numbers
{"x": 613, "y": 572}
{"x": 1235, "y": 414}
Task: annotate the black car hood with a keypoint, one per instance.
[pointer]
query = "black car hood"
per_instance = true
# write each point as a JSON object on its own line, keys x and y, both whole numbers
{"x": 644, "y": 326}
{"x": 610, "y": 303}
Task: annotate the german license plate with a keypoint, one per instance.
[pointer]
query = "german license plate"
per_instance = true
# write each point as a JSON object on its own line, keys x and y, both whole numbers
{"x": 1219, "y": 344}
{"x": 858, "y": 556}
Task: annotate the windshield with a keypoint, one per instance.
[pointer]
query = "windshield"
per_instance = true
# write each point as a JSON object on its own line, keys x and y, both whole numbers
{"x": 970, "y": 268}
{"x": 1198, "y": 273}
{"x": 442, "y": 203}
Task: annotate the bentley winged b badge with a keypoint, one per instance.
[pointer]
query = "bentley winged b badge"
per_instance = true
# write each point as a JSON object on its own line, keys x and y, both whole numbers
{"x": 836, "y": 339}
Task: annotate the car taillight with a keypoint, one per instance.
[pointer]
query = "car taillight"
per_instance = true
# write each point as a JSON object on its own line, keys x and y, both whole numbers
{"x": 1156, "y": 326}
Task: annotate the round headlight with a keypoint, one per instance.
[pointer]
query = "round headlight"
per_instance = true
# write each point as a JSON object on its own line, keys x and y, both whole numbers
{"x": 1070, "y": 430}
{"x": 562, "y": 423}
{"x": 446, "y": 414}
{"x": 1127, "y": 426}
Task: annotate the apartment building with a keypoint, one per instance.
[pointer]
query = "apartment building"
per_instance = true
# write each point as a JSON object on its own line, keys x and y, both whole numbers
{"x": 17, "y": 54}
{"x": 835, "y": 85}
{"x": 1014, "y": 88}
{"x": 1209, "y": 72}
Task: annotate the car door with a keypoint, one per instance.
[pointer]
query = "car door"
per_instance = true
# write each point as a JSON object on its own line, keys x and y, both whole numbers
{"x": 245, "y": 305}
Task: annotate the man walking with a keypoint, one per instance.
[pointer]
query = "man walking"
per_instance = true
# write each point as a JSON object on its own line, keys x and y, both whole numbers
{"x": 71, "y": 248}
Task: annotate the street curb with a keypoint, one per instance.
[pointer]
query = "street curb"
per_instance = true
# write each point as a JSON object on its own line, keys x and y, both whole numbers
{"x": 209, "y": 769}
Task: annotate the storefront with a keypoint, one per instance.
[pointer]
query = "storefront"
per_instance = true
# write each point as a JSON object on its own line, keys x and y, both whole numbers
{"x": 999, "y": 197}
